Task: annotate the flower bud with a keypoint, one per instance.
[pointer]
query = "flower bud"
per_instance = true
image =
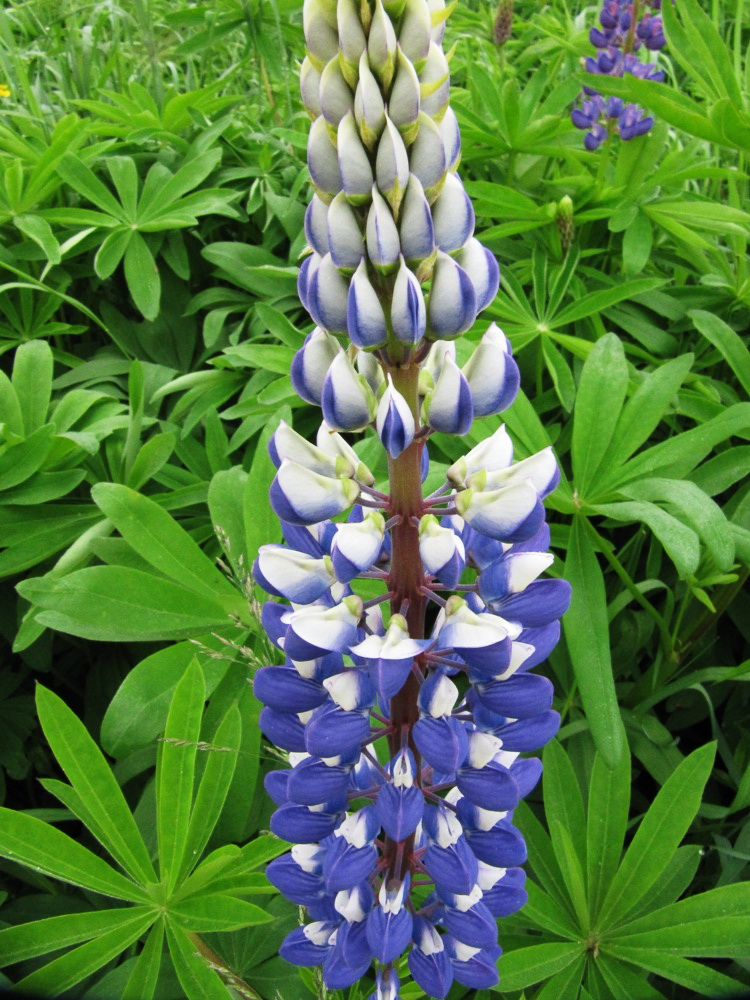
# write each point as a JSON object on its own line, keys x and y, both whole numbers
{"x": 429, "y": 964}
{"x": 408, "y": 314}
{"x": 441, "y": 551}
{"x": 482, "y": 268}
{"x": 345, "y": 240}
{"x": 352, "y": 41}
{"x": 389, "y": 925}
{"x": 369, "y": 108}
{"x": 323, "y": 161}
{"x": 416, "y": 228}
{"x": 370, "y": 370}
{"x": 316, "y": 225}
{"x": 348, "y": 402}
{"x": 452, "y": 306}
{"x": 511, "y": 513}
{"x": 307, "y": 269}
{"x": 449, "y": 407}
{"x": 381, "y": 46}
{"x": 331, "y": 443}
{"x": 286, "y": 443}
{"x": 451, "y": 136}
{"x": 364, "y": 313}
{"x": 495, "y": 452}
{"x": 394, "y": 422}
{"x": 383, "y": 247}
{"x": 335, "y": 96}
{"x": 357, "y": 545}
{"x": 353, "y": 161}
{"x": 327, "y": 295}
{"x": 427, "y": 156}
{"x": 400, "y": 804}
{"x": 438, "y": 16}
{"x": 311, "y": 363}
{"x": 435, "y": 83}
{"x": 453, "y": 215}
{"x": 541, "y": 470}
{"x": 321, "y": 36}
{"x": 416, "y": 32}
{"x": 309, "y": 85}
{"x": 309, "y": 945}
{"x": 492, "y": 375}
{"x": 301, "y": 496}
{"x": 392, "y": 166}
{"x": 404, "y": 99}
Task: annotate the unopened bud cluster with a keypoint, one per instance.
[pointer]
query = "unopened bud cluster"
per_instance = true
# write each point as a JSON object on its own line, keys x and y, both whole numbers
{"x": 626, "y": 27}
{"x": 404, "y": 739}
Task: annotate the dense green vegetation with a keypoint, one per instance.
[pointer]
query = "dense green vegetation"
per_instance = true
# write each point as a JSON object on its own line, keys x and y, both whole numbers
{"x": 153, "y": 184}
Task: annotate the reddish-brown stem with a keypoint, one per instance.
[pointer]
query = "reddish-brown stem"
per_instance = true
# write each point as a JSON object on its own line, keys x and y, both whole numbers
{"x": 406, "y": 582}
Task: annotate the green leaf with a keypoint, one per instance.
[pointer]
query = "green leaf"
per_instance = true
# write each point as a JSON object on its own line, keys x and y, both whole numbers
{"x": 120, "y": 604}
{"x": 32, "y": 379}
{"x": 197, "y": 979}
{"x": 46, "y": 849}
{"x": 124, "y": 173}
{"x": 711, "y": 924}
{"x": 111, "y": 252}
{"x": 693, "y": 976}
{"x": 608, "y": 804}
{"x": 160, "y": 540}
{"x": 142, "y": 981}
{"x": 625, "y": 983}
{"x": 690, "y": 502}
{"x": 175, "y": 771}
{"x": 570, "y": 865}
{"x": 39, "y": 937}
{"x": 645, "y": 408}
{"x": 213, "y": 788}
{"x": 524, "y": 967}
{"x": 636, "y": 244}
{"x": 596, "y": 302}
{"x": 562, "y": 797}
{"x": 658, "y": 835}
{"x": 564, "y": 985}
{"x": 138, "y": 712}
{"x": 269, "y": 357}
{"x": 562, "y": 377}
{"x": 587, "y": 637}
{"x": 542, "y": 910}
{"x": 21, "y": 461}
{"x": 680, "y": 542}
{"x": 60, "y": 975}
{"x": 227, "y": 516}
{"x": 213, "y": 912}
{"x": 39, "y": 230}
{"x": 601, "y": 393}
{"x": 142, "y": 277}
{"x": 729, "y": 344}
{"x": 82, "y": 180}
{"x": 91, "y": 777}
{"x": 151, "y": 458}
{"x": 678, "y": 456}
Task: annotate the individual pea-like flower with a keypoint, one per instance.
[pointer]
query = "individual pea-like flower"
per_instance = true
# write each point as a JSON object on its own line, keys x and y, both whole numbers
{"x": 625, "y": 28}
{"x": 405, "y": 743}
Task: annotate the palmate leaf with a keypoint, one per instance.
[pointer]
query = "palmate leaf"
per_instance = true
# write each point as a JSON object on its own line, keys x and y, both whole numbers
{"x": 607, "y": 821}
{"x": 39, "y": 937}
{"x": 175, "y": 772}
{"x": 587, "y": 636}
{"x": 92, "y": 779}
{"x": 142, "y": 981}
{"x": 59, "y": 975}
{"x": 658, "y": 836}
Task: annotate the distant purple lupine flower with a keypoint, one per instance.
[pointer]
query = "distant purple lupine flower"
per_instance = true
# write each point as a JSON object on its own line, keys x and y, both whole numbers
{"x": 404, "y": 731}
{"x": 625, "y": 28}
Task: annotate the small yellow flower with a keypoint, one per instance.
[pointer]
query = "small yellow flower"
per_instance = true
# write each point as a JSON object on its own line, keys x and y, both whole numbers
{"x": 4, "y": 90}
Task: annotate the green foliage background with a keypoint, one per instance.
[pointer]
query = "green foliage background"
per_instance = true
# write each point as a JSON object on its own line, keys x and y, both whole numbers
{"x": 152, "y": 191}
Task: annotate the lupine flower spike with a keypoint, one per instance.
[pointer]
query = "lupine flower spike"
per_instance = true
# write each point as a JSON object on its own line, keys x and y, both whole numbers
{"x": 626, "y": 28}
{"x": 405, "y": 716}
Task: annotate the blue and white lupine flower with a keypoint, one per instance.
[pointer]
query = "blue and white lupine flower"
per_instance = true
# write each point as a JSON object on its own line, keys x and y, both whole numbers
{"x": 426, "y": 729}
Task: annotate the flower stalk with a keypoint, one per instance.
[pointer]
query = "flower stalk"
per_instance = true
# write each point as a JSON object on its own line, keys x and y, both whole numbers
{"x": 404, "y": 742}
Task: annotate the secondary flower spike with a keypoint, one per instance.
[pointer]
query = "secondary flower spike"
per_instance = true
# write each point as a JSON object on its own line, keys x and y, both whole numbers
{"x": 407, "y": 626}
{"x": 626, "y": 29}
